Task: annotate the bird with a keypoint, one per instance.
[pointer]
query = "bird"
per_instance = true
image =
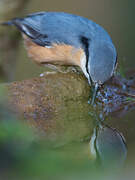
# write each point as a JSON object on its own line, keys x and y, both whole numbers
{"x": 60, "y": 38}
{"x": 108, "y": 146}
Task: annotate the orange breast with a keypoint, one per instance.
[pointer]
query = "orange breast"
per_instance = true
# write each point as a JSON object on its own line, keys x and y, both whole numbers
{"x": 60, "y": 54}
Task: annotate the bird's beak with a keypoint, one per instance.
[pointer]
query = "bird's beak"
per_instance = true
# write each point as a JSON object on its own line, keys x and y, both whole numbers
{"x": 94, "y": 94}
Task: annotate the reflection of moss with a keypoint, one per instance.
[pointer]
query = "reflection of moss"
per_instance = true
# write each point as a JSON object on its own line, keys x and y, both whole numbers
{"x": 24, "y": 153}
{"x": 58, "y": 103}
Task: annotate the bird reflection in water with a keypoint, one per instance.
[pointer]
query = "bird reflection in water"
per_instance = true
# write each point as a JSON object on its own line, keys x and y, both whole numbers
{"x": 108, "y": 147}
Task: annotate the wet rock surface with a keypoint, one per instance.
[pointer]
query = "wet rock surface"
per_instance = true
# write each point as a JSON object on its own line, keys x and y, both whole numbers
{"x": 57, "y": 103}
{"x": 117, "y": 97}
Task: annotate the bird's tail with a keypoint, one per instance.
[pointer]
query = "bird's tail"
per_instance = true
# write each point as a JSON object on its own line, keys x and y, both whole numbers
{"x": 7, "y": 23}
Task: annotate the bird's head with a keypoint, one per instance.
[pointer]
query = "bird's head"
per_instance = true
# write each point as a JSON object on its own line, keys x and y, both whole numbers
{"x": 101, "y": 62}
{"x": 108, "y": 146}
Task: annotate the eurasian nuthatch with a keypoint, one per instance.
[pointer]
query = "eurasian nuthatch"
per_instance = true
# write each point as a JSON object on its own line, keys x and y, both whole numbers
{"x": 64, "y": 39}
{"x": 108, "y": 146}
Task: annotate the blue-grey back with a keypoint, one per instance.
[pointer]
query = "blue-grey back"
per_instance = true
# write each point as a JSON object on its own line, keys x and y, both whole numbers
{"x": 65, "y": 28}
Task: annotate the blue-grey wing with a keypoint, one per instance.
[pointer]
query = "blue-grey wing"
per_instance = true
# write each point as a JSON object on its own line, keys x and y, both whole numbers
{"x": 46, "y": 28}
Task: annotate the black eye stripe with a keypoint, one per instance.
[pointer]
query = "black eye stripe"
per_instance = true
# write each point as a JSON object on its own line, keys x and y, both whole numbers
{"x": 86, "y": 43}
{"x": 116, "y": 60}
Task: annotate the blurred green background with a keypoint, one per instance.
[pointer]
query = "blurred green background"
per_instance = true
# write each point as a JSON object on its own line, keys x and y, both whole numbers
{"x": 29, "y": 157}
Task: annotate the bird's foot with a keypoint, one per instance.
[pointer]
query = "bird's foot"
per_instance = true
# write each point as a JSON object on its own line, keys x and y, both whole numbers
{"x": 64, "y": 69}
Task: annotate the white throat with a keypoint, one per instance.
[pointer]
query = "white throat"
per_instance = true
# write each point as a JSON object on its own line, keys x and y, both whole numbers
{"x": 83, "y": 66}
